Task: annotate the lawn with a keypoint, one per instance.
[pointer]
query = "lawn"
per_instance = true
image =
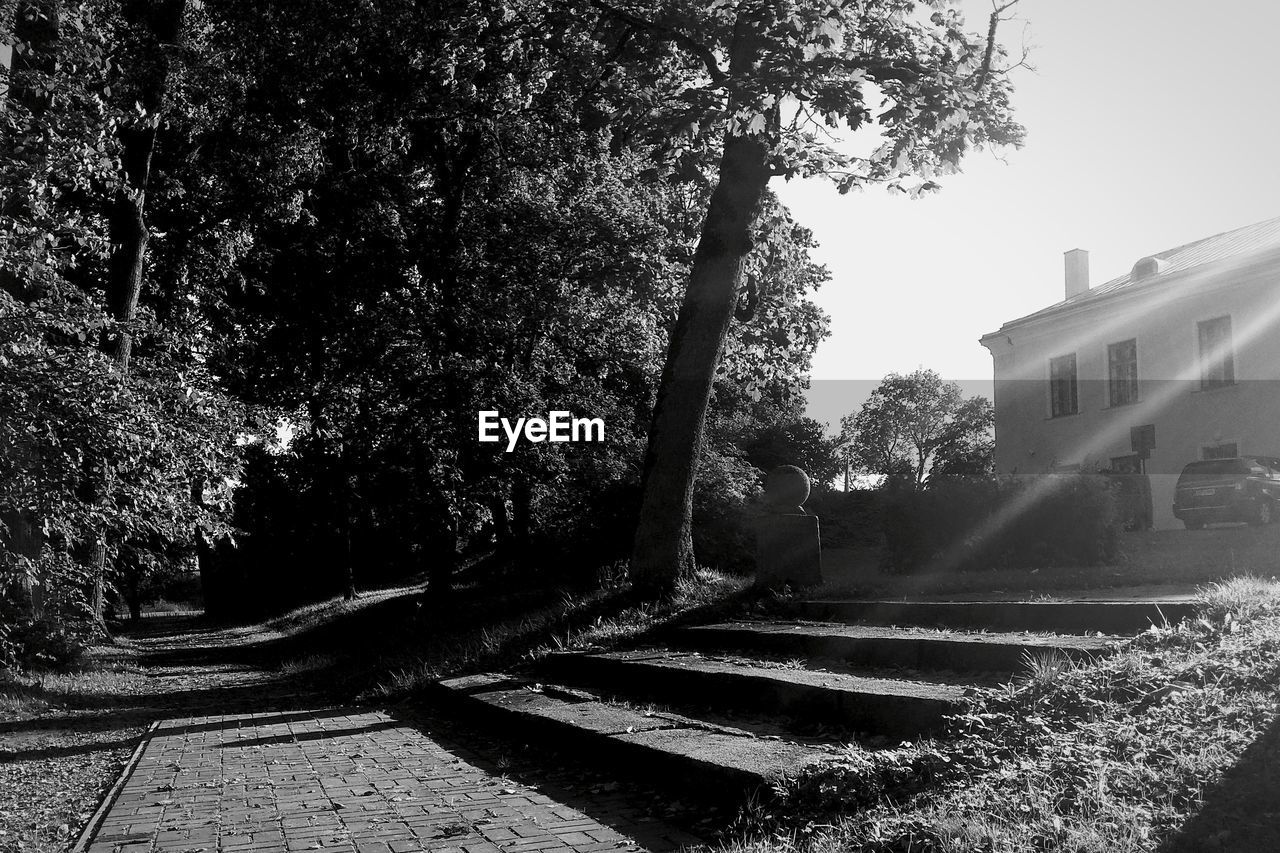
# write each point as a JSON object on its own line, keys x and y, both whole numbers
{"x": 1155, "y": 562}
{"x": 63, "y": 739}
{"x": 1169, "y": 745}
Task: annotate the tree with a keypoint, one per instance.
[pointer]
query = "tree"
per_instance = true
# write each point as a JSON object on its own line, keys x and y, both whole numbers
{"x": 516, "y": 250}
{"x": 90, "y": 462}
{"x": 766, "y": 80}
{"x": 915, "y": 424}
{"x": 381, "y": 224}
{"x": 801, "y": 442}
{"x": 967, "y": 449}
{"x": 153, "y": 28}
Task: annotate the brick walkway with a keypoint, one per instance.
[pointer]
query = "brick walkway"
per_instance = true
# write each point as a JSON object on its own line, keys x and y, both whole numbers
{"x": 347, "y": 780}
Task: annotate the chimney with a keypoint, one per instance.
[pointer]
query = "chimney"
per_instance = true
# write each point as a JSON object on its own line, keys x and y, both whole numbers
{"x": 1077, "y": 264}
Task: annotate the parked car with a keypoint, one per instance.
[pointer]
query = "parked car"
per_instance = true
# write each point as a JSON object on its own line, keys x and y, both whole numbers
{"x": 1242, "y": 488}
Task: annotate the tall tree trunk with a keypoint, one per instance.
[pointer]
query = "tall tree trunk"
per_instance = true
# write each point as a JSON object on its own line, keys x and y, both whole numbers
{"x": 161, "y": 24}
{"x": 362, "y": 511}
{"x": 133, "y": 590}
{"x": 438, "y": 535}
{"x": 129, "y": 238}
{"x": 349, "y": 569}
{"x": 442, "y": 549}
{"x": 521, "y": 513}
{"x": 501, "y": 518}
{"x": 345, "y": 500}
{"x": 205, "y": 565}
{"x": 663, "y": 549}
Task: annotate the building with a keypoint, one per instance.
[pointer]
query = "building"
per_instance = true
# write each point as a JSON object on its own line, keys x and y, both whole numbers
{"x": 1177, "y": 360}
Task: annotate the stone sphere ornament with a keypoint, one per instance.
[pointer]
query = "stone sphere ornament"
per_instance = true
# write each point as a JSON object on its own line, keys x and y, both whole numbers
{"x": 786, "y": 488}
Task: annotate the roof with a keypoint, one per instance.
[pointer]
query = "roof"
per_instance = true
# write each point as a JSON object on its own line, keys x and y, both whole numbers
{"x": 1219, "y": 247}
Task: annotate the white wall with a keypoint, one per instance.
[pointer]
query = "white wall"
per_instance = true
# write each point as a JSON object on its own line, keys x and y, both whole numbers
{"x": 1162, "y": 315}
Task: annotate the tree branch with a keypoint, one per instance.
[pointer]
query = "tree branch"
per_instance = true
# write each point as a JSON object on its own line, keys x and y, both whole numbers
{"x": 992, "y": 25}
{"x": 697, "y": 48}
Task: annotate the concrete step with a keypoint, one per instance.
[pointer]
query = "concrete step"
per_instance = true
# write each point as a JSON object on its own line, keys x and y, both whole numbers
{"x": 892, "y": 707}
{"x": 869, "y": 646}
{"x": 715, "y": 762}
{"x": 1062, "y": 617}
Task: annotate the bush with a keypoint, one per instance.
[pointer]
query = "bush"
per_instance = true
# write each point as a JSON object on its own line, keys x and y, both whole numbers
{"x": 44, "y": 643}
{"x": 726, "y": 487}
{"x": 581, "y": 531}
{"x": 935, "y": 527}
{"x": 58, "y": 635}
{"x": 1053, "y": 520}
{"x": 585, "y": 529}
{"x": 847, "y": 518}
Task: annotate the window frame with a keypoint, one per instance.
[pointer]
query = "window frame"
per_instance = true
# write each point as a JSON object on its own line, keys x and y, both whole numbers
{"x": 1072, "y": 405}
{"x": 1207, "y": 450}
{"x": 1129, "y": 463}
{"x": 1127, "y": 384}
{"x": 1220, "y": 360}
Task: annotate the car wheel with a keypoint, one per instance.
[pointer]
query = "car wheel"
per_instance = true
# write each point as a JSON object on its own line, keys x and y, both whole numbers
{"x": 1193, "y": 525}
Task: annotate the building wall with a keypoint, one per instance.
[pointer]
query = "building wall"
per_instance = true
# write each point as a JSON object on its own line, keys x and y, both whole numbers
{"x": 1163, "y": 317}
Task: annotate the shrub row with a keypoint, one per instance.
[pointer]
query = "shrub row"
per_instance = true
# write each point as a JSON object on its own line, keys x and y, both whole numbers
{"x": 1046, "y": 521}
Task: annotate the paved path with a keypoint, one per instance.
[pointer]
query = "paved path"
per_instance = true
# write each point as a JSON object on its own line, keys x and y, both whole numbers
{"x": 352, "y": 780}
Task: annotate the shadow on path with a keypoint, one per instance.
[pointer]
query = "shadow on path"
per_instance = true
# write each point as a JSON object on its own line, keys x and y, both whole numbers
{"x": 225, "y": 705}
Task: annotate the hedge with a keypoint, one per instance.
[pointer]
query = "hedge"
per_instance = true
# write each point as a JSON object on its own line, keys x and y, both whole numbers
{"x": 1052, "y": 520}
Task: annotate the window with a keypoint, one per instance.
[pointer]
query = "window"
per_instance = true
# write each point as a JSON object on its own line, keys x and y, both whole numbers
{"x": 1220, "y": 451}
{"x": 1062, "y": 386}
{"x": 1122, "y": 372}
{"x": 1131, "y": 464}
{"x": 1142, "y": 439}
{"x": 1217, "y": 362}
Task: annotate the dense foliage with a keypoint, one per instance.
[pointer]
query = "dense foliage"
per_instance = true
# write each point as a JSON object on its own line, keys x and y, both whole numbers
{"x": 261, "y": 266}
{"x": 348, "y": 234}
{"x": 93, "y": 460}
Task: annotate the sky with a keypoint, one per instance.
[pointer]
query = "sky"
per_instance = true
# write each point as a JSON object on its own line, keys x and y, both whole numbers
{"x": 1149, "y": 124}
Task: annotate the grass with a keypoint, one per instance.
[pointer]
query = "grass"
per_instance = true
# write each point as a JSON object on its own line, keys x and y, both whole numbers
{"x": 1168, "y": 745}
{"x": 307, "y": 664}
{"x": 163, "y": 605}
{"x": 1046, "y": 668}
{"x": 1164, "y": 560}
{"x": 575, "y": 622}
{"x": 63, "y": 739}
{"x": 29, "y": 694}
{"x": 311, "y": 616}
{"x": 1240, "y": 599}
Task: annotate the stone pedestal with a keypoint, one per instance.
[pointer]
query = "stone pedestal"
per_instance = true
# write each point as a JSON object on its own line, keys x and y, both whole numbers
{"x": 788, "y": 550}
